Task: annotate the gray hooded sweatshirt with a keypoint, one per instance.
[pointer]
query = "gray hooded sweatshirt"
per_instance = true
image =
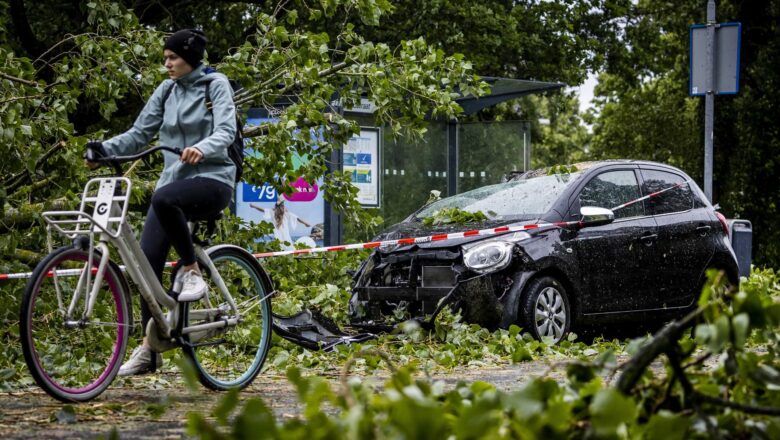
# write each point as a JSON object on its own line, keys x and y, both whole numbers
{"x": 186, "y": 123}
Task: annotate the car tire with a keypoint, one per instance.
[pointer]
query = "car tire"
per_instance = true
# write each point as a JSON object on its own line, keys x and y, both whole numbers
{"x": 544, "y": 309}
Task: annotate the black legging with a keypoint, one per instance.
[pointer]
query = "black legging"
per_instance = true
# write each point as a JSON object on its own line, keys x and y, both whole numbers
{"x": 166, "y": 222}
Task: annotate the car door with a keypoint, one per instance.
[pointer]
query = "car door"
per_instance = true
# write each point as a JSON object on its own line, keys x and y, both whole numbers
{"x": 616, "y": 259}
{"x": 685, "y": 230}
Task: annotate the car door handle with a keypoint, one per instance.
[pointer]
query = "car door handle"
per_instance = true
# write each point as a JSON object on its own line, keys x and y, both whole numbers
{"x": 703, "y": 230}
{"x": 648, "y": 239}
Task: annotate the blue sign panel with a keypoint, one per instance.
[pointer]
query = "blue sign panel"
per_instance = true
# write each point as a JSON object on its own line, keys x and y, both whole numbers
{"x": 254, "y": 193}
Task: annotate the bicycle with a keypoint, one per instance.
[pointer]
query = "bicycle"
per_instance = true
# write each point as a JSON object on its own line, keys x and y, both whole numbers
{"x": 76, "y": 313}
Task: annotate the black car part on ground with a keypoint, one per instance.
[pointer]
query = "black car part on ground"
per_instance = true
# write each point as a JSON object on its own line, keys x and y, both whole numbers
{"x": 312, "y": 330}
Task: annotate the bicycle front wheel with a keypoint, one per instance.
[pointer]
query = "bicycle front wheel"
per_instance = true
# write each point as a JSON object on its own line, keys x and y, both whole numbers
{"x": 232, "y": 356}
{"x": 74, "y": 358}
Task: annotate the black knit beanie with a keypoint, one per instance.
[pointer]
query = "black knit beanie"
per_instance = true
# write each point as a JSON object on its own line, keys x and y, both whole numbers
{"x": 188, "y": 44}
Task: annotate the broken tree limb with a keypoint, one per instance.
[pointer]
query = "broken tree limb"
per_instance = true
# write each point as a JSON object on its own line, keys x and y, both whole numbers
{"x": 662, "y": 342}
{"x": 17, "y": 218}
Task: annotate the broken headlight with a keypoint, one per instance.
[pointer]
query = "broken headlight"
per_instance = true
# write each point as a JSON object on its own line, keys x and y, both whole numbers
{"x": 491, "y": 255}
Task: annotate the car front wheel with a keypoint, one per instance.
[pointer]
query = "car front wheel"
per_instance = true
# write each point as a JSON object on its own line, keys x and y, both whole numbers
{"x": 545, "y": 310}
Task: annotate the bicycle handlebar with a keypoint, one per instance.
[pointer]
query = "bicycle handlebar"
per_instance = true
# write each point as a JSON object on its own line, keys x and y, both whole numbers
{"x": 114, "y": 161}
{"x": 140, "y": 155}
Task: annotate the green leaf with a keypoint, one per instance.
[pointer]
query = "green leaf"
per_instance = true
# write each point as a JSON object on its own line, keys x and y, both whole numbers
{"x": 580, "y": 372}
{"x": 521, "y": 354}
{"x": 609, "y": 410}
{"x": 291, "y": 17}
{"x": 741, "y": 325}
{"x": 667, "y": 426}
{"x": 188, "y": 373}
{"x": 453, "y": 215}
{"x": 226, "y": 406}
{"x": 65, "y": 415}
{"x": 156, "y": 410}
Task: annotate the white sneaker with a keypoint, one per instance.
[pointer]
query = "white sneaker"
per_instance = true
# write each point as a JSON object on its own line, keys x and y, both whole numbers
{"x": 142, "y": 361}
{"x": 192, "y": 286}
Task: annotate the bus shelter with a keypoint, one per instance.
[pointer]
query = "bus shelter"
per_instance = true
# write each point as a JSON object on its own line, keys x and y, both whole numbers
{"x": 396, "y": 175}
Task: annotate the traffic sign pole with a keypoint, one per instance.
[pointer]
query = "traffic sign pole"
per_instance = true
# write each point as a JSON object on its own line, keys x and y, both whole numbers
{"x": 709, "y": 100}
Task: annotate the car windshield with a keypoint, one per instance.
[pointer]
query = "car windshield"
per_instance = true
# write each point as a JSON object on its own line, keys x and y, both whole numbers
{"x": 509, "y": 200}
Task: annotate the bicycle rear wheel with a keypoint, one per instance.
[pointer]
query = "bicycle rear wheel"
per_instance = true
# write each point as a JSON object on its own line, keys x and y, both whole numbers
{"x": 231, "y": 357}
{"x": 71, "y": 358}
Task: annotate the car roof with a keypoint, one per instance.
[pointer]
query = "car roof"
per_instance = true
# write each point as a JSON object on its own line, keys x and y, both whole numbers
{"x": 588, "y": 166}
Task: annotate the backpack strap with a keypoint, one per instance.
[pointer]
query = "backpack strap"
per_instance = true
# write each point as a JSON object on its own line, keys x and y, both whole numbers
{"x": 239, "y": 125}
{"x": 206, "y": 103}
{"x": 165, "y": 96}
{"x": 208, "y": 96}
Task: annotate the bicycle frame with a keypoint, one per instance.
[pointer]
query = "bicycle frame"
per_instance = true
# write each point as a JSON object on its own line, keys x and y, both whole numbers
{"x": 109, "y": 200}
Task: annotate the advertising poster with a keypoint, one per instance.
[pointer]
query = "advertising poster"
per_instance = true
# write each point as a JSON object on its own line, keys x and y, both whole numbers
{"x": 361, "y": 158}
{"x": 297, "y": 218}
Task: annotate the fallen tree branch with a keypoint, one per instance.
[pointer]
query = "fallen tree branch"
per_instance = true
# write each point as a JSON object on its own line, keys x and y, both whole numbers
{"x": 17, "y": 218}
{"x": 673, "y": 354}
{"x": 751, "y": 409}
{"x": 20, "y": 98}
{"x": 249, "y": 97}
{"x": 257, "y": 130}
{"x": 14, "y": 182}
{"x": 344, "y": 376}
{"x": 19, "y": 80}
{"x": 700, "y": 360}
{"x": 27, "y": 256}
{"x": 662, "y": 342}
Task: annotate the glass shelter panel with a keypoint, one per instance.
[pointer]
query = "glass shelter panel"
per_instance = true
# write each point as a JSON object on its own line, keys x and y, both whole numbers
{"x": 411, "y": 169}
{"x": 489, "y": 150}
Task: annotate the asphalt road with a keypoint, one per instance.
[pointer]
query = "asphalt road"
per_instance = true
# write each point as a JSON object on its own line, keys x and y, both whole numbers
{"x": 156, "y": 406}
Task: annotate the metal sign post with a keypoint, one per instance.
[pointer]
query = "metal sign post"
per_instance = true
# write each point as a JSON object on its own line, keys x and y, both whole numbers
{"x": 714, "y": 58}
{"x": 709, "y": 100}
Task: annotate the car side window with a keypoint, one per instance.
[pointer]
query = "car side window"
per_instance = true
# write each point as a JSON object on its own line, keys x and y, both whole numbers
{"x": 674, "y": 200}
{"x": 612, "y": 189}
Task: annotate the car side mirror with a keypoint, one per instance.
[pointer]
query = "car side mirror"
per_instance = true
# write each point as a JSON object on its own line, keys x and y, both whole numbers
{"x": 595, "y": 216}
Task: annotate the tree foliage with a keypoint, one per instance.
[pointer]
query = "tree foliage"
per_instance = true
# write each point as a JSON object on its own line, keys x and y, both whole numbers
{"x": 85, "y": 79}
{"x": 556, "y": 41}
{"x": 546, "y": 41}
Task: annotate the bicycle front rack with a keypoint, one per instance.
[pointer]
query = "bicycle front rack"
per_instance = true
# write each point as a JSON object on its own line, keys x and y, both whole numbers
{"x": 106, "y": 198}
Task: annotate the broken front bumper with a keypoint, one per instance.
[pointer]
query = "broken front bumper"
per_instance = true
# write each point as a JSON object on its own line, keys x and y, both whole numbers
{"x": 475, "y": 298}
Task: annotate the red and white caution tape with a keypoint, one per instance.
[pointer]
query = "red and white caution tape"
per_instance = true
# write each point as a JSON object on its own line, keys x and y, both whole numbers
{"x": 419, "y": 240}
{"x": 62, "y": 272}
{"x": 368, "y": 245}
{"x": 15, "y": 276}
{"x": 650, "y": 195}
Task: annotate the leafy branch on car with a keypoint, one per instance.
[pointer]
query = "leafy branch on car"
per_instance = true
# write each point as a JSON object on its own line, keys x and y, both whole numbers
{"x": 447, "y": 216}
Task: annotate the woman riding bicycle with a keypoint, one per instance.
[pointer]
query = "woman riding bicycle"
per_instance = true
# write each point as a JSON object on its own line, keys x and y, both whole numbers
{"x": 198, "y": 184}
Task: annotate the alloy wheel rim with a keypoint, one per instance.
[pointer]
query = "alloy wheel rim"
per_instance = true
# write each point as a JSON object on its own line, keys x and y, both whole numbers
{"x": 550, "y": 314}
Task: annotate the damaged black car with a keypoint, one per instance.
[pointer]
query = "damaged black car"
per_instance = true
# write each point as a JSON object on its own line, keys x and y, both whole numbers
{"x": 616, "y": 241}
